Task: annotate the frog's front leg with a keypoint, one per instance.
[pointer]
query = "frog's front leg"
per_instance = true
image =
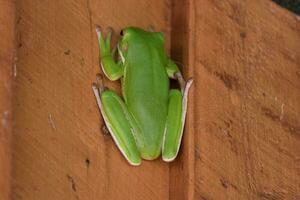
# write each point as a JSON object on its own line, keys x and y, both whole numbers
{"x": 112, "y": 69}
{"x": 176, "y": 114}
{"x": 118, "y": 121}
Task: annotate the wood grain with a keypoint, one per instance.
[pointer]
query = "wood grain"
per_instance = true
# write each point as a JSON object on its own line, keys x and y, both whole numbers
{"x": 7, "y": 57}
{"x": 241, "y": 139}
{"x": 246, "y": 106}
{"x": 59, "y": 149}
{"x": 182, "y": 169}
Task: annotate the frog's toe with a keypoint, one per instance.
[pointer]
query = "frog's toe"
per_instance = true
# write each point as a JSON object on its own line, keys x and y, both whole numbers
{"x": 110, "y": 32}
{"x": 98, "y": 85}
{"x": 98, "y": 31}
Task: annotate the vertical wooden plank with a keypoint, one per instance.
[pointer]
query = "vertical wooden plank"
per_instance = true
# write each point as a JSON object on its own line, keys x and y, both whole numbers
{"x": 246, "y": 108}
{"x": 182, "y": 46}
{"x": 7, "y": 21}
{"x": 59, "y": 150}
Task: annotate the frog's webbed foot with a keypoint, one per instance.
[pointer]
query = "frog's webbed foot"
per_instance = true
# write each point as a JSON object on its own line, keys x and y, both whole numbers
{"x": 181, "y": 81}
{"x": 98, "y": 85}
{"x": 98, "y": 88}
{"x": 110, "y": 31}
{"x": 105, "y": 42}
{"x": 184, "y": 85}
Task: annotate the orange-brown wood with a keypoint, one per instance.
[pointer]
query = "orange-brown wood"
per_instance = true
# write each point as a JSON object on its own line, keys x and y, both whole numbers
{"x": 242, "y": 134}
{"x": 246, "y": 100}
{"x": 182, "y": 169}
{"x": 60, "y": 151}
{"x": 7, "y": 58}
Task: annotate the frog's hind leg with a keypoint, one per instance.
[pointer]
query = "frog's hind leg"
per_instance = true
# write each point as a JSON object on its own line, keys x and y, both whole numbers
{"x": 175, "y": 119}
{"x": 117, "y": 120}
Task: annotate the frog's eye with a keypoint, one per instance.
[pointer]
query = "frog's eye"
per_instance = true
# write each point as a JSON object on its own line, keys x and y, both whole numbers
{"x": 122, "y": 32}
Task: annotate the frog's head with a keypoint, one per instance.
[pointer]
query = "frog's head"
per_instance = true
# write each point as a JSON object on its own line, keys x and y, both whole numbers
{"x": 132, "y": 36}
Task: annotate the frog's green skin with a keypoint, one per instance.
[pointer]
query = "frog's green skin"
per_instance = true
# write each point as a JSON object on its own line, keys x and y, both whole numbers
{"x": 149, "y": 119}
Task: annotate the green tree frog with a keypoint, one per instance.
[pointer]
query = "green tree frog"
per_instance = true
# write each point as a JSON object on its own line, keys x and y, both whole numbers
{"x": 148, "y": 119}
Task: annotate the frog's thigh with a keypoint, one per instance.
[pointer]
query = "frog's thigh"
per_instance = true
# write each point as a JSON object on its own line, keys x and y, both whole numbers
{"x": 116, "y": 117}
{"x": 175, "y": 122}
{"x": 174, "y": 125}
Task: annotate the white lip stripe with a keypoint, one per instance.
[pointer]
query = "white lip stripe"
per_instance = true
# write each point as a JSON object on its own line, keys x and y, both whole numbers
{"x": 96, "y": 92}
{"x": 183, "y": 116}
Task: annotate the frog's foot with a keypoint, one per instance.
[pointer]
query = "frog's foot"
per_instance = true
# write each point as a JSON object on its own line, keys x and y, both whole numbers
{"x": 99, "y": 86}
{"x": 185, "y": 96}
{"x": 98, "y": 89}
{"x": 184, "y": 85}
{"x": 104, "y": 43}
{"x": 181, "y": 81}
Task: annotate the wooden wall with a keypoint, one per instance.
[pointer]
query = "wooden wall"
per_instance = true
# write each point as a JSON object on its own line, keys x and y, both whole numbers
{"x": 247, "y": 101}
{"x": 59, "y": 149}
{"x": 7, "y": 60}
{"x": 242, "y": 138}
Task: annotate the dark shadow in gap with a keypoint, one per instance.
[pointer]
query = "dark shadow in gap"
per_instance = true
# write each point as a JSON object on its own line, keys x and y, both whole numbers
{"x": 292, "y": 5}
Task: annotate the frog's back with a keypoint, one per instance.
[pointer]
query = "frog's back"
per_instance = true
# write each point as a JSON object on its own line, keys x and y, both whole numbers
{"x": 146, "y": 88}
